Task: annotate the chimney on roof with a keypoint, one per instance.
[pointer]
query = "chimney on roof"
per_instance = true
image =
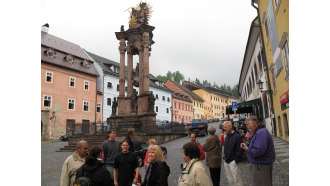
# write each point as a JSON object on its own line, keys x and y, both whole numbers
{"x": 45, "y": 28}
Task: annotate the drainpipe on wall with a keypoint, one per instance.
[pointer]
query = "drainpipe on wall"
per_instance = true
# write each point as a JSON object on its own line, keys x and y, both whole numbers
{"x": 267, "y": 71}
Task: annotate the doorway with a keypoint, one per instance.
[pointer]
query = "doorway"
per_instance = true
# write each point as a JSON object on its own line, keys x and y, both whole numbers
{"x": 286, "y": 125}
{"x": 279, "y": 126}
{"x": 69, "y": 125}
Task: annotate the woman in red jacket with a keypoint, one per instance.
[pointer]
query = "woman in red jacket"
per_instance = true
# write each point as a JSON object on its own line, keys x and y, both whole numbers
{"x": 146, "y": 162}
{"x": 193, "y": 139}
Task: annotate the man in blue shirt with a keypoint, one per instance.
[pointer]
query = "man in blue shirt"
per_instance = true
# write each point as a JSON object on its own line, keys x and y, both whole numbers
{"x": 260, "y": 153}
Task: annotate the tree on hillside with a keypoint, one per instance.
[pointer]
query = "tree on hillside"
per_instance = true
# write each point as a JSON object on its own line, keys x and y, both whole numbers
{"x": 169, "y": 75}
{"x": 161, "y": 78}
{"x": 177, "y": 76}
{"x": 197, "y": 81}
{"x": 174, "y": 76}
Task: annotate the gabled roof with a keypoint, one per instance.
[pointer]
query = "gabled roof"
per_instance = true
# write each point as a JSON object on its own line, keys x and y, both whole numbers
{"x": 195, "y": 96}
{"x": 107, "y": 63}
{"x": 62, "y": 49}
{"x": 208, "y": 88}
{"x": 249, "y": 50}
{"x": 219, "y": 91}
{"x": 181, "y": 96}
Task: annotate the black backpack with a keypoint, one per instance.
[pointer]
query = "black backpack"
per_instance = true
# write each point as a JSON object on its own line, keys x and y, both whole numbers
{"x": 82, "y": 181}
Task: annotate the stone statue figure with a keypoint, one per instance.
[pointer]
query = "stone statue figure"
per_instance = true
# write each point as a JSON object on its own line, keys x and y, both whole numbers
{"x": 135, "y": 76}
{"x": 114, "y": 106}
{"x": 151, "y": 103}
{"x": 134, "y": 104}
{"x": 140, "y": 15}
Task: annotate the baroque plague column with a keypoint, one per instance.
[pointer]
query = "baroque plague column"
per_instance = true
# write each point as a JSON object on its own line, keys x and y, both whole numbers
{"x": 134, "y": 110}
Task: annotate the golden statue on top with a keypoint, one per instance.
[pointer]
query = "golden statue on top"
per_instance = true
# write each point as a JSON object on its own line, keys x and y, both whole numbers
{"x": 139, "y": 15}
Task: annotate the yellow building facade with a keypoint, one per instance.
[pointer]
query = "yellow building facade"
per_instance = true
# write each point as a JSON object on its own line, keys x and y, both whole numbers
{"x": 198, "y": 109}
{"x": 207, "y": 107}
{"x": 274, "y": 18}
{"x": 219, "y": 103}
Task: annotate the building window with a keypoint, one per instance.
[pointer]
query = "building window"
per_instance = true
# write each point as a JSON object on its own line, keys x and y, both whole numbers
{"x": 117, "y": 87}
{"x": 109, "y": 85}
{"x": 168, "y": 99}
{"x": 174, "y": 104}
{"x": 272, "y": 70}
{"x": 51, "y": 52}
{"x": 86, "y": 106}
{"x": 179, "y": 106}
{"x": 167, "y": 110}
{"x": 255, "y": 71}
{"x": 85, "y": 63}
{"x": 109, "y": 101}
{"x": 49, "y": 77}
{"x": 69, "y": 58}
{"x": 98, "y": 107}
{"x": 260, "y": 64}
{"x": 285, "y": 53}
{"x": 125, "y": 89}
{"x": 156, "y": 108}
{"x": 253, "y": 82}
{"x": 86, "y": 85}
{"x": 47, "y": 101}
{"x": 72, "y": 81}
{"x": 156, "y": 96}
{"x": 163, "y": 98}
{"x": 71, "y": 104}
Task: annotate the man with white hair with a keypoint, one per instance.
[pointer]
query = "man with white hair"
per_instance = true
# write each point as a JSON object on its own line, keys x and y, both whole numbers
{"x": 73, "y": 163}
{"x": 260, "y": 153}
{"x": 232, "y": 156}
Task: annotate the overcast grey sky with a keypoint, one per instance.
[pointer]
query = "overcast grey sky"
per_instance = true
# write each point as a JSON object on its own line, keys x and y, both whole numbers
{"x": 202, "y": 39}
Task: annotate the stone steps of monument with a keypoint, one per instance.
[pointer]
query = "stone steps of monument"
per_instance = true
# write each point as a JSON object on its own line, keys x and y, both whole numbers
{"x": 93, "y": 140}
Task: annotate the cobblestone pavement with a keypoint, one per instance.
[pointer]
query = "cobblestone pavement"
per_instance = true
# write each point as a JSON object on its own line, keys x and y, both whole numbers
{"x": 51, "y": 162}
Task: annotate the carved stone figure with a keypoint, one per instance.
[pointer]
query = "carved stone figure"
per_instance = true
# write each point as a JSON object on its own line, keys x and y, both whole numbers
{"x": 134, "y": 104}
{"x": 151, "y": 103}
{"x": 114, "y": 106}
{"x": 140, "y": 15}
{"x": 135, "y": 76}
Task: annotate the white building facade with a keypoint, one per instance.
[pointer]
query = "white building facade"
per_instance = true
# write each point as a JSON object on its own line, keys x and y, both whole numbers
{"x": 253, "y": 71}
{"x": 108, "y": 84}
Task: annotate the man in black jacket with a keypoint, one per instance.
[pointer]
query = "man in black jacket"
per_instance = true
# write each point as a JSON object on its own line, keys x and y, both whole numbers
{"x": 232, "y": 156}
{"x": 129, "y": 137}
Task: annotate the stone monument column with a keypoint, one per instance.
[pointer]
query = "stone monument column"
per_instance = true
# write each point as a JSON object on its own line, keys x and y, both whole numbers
{"x": 122, "y": 50}
{"x": 141, "y": 66}
{"x": 146, "y": 44}
{"x": 129, "y": 71}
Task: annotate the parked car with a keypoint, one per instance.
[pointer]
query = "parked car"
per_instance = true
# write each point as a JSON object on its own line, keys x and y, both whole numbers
{"x": 140, "y": 150}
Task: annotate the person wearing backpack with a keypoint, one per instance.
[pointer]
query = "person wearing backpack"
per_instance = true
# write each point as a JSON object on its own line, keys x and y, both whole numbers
{"x": 93, "y": 173}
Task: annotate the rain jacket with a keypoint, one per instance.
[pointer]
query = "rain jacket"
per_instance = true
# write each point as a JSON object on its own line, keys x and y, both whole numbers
{"x": 194, "y": 174}
{"x": 213, "y": 148}
{"x": 158, "y": 175}
{"x": 261, "y": 149}
{"x": 69, "y": 169}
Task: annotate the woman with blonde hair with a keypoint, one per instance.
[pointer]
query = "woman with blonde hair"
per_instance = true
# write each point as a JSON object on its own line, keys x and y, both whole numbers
{"x": 158, "y": 171}
{"x": 145, "y": 162}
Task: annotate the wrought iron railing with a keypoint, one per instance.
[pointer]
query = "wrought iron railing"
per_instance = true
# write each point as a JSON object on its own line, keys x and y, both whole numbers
{"x": 103, "y": 127}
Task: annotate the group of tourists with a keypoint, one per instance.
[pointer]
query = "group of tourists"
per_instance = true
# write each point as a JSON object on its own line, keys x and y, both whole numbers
{"x": 116, "y": 164}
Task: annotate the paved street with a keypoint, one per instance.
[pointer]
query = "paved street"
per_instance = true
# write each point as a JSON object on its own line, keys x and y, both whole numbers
{"x": 51, "y": 162}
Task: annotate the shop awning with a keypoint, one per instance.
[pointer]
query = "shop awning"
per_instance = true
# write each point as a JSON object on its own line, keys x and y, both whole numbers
{"x": 252, "y": 106}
